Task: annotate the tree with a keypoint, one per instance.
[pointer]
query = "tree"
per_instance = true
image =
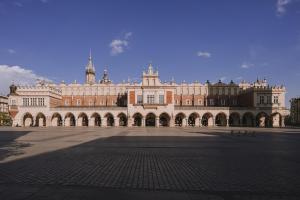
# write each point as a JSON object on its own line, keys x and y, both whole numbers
{"x": 5, "y": 119}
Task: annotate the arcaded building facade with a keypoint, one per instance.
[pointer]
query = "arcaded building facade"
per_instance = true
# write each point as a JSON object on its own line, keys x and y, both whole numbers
{"x": 147, "y": 103}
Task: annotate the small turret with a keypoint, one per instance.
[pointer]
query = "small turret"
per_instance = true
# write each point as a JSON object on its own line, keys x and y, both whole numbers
{"x": 13, "y": 89}
{"x": 105, "y": 78}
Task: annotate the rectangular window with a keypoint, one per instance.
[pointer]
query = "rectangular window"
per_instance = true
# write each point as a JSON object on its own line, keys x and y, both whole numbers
{"x": 269, "y": 100}
{"x": 187, "y": 102}
{"x": 235, "y": 91}
{"x": 139, "y": 99}
{"x": 229, "y": 91}
{"x": 34, "y": 102}
{"x": 161, "y": 99}
{"x": 66, "y": 102}
{"x": 199, "y": 102}
{"x": 223, "y": 91}
{"x": 211, "y": 102}
{"x": 234, "y": 102}
{"x": 25, "y": 101}
{"x": 223, "y": 102}
{"x": 261, "y": 100}
{"x": 275, "y": 100}
{"x": 150, "y": 99}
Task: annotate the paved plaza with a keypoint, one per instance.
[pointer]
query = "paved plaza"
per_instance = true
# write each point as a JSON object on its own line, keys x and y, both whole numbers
{"x": 149, "y": 163}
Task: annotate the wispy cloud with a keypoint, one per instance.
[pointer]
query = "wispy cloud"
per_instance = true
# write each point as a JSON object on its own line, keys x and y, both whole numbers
{"x": 204, "y": 54}
{"x": 281, "y": 6}
{"x": 18, "y": 4}
{"x": 11, "y": 51}
{"x": 17, "y": 74}
{"x": 223, "y": 78}
{"x": 119, "y": 45}
{"x": 246, "y": 65}
{"x": 128, "y": 35}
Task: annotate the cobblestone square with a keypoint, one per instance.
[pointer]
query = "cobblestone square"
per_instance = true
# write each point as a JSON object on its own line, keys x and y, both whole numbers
{"x": 149, "y": 163}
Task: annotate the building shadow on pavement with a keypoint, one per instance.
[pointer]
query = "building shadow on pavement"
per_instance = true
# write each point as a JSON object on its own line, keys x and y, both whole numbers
{"x": 8, "y": 144}
{"x": 163, "y": 167}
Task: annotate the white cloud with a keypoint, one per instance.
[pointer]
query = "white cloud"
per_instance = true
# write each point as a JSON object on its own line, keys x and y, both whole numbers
{"x": 223, "y": 78}
{"x": 18, "y": 75}
{"x": 246, "y": 65}
{"x": 11, "y": 51}
{"x": 204, "y": 54}
{"x": 119, "y": 45}
{"x": 281, "y": 6}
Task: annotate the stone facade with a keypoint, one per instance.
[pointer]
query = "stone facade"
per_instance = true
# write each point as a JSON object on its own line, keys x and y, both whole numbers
{"x": 148, "y": 103}
{"x": 295, "y": 111}
{"x": 3, "y": 104}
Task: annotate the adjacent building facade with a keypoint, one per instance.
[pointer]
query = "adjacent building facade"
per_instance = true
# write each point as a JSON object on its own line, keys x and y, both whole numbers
{"x": 295, "y": 111}
{"x": 3, "y": 110}
{"x": 147, "y": 103}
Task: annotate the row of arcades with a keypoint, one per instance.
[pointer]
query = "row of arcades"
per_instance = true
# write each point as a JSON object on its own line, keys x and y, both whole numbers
{"x": 247, "y": 119}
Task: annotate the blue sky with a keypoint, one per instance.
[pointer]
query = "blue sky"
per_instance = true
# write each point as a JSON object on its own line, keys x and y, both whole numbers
{"x": 185, "y": 39}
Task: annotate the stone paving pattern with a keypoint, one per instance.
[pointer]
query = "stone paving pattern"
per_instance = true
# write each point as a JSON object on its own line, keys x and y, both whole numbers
{"x": 149, "y": 163}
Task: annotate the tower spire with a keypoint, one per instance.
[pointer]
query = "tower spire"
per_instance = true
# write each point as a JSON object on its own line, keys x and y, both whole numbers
{"x": 90, "y": 58}
{"x": 90, "y": 70}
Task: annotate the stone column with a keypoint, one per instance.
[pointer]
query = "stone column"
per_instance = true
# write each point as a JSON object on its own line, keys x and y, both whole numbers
{"x": 213, "y": 121}
{"x": 79, "y": 121}
{"x": 184, "y": 122}
{"x": 48, "y": 121}
{"x": 92, "y": 121}
{"x": 197, "y": 122}
{"x": 156, "y": 121}
{"x": 200, "y": 121}
{"x": 67, "y": 121}
{"x": 104, "y": 122}
{"x": 129, "y": 122}
{"x": 116, "y": 121}
{"x": 172, "y": 122}
{"x": 282, "y": 122}
{"x": 143, "y": 121}
{"x": 227, "y": 122}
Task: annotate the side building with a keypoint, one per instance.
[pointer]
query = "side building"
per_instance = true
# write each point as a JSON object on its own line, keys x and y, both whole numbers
{"x": 295, "y": 111}
{"x": 147, "y": 103}
{"x": 4, "y": 117}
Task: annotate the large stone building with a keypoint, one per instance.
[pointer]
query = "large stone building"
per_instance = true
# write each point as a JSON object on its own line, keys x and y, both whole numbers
{"x": 295, "y": 111}
{"x": 147, "y": 103}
